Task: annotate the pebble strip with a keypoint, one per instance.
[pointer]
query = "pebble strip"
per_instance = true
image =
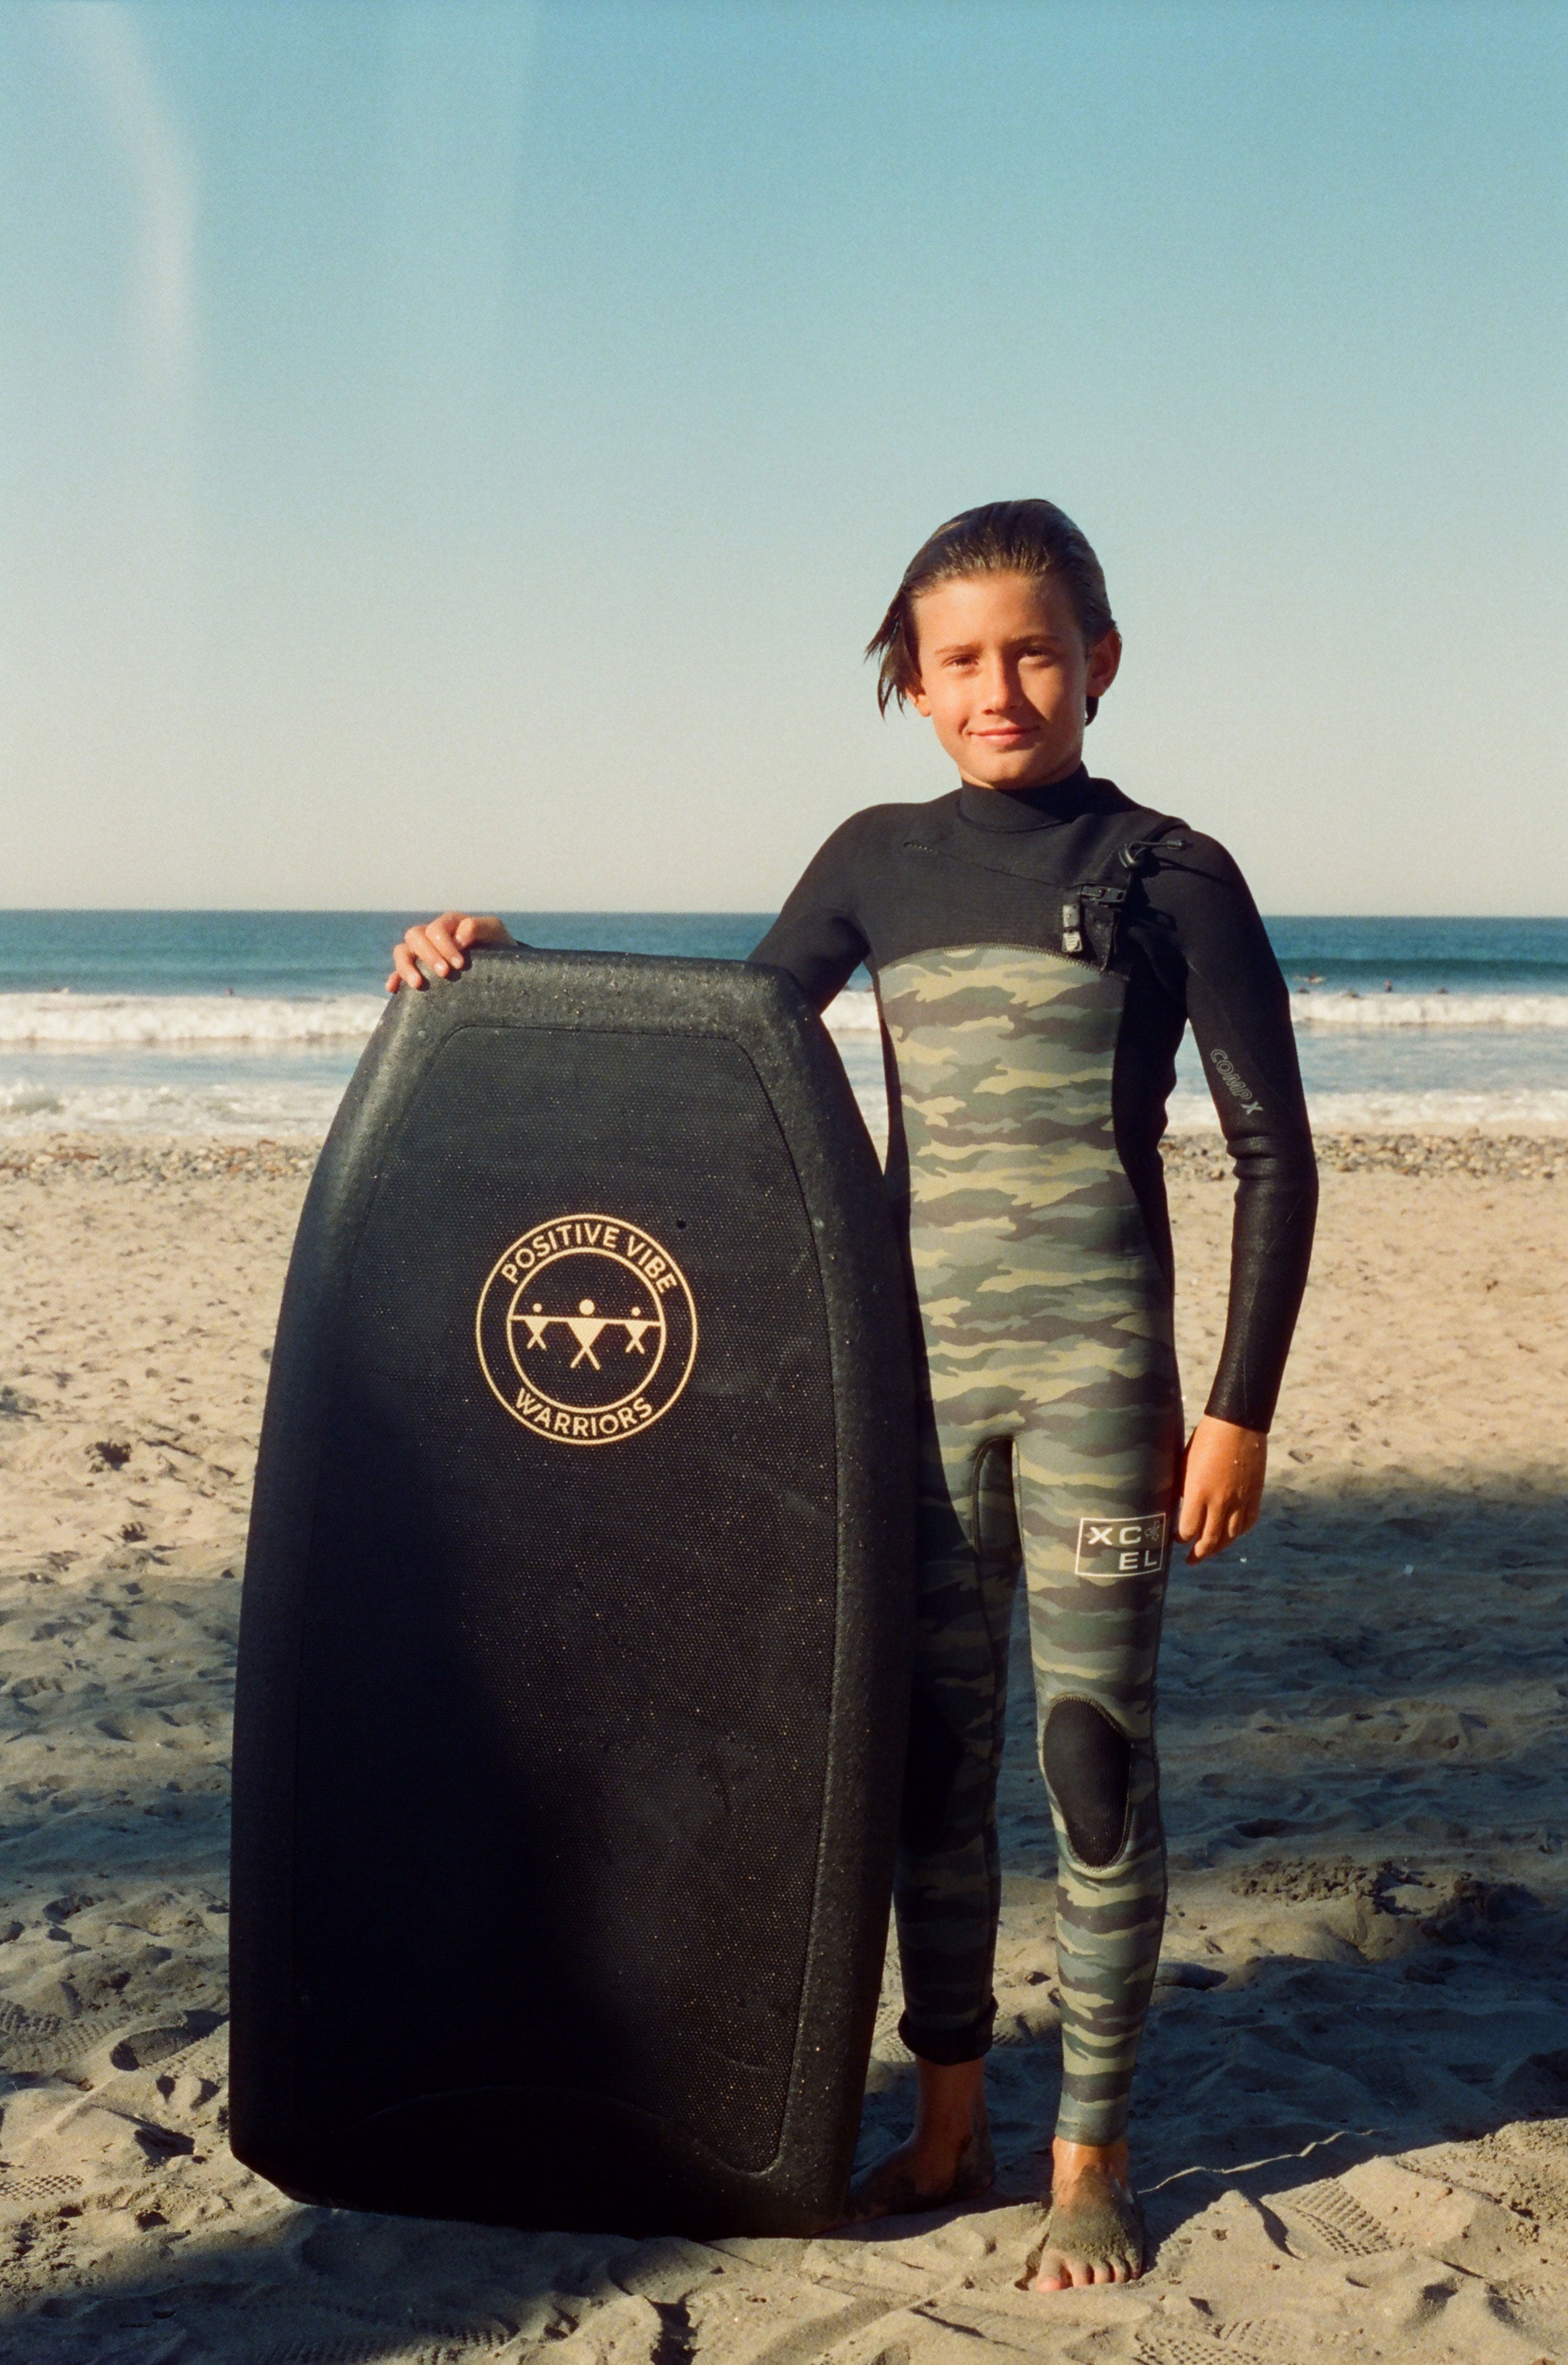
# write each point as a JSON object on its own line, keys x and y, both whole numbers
{"x": 143, "y": 1159}
{"x": 1494, "y": 1158}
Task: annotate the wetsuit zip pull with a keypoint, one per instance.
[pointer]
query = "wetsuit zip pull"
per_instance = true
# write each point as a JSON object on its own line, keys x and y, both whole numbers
{"x": 1143, "y": 853}
{"x": 1073, "y": 927}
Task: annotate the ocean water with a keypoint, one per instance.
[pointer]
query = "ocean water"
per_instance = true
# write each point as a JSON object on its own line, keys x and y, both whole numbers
{"x": 251, "y": 1022}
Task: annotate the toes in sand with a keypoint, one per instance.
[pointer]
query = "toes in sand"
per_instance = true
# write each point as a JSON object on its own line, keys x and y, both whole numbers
{"x": 1094, "y": 2235}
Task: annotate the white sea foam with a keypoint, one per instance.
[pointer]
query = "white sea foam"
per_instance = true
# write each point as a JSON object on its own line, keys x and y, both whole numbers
{"x": 149, "y": 1020}
{"x": 1488, "y": 1009}
{"x": 852, "y": 1013}
{"x": 282, "y": 1112}
{"x": 303, "y": 1109}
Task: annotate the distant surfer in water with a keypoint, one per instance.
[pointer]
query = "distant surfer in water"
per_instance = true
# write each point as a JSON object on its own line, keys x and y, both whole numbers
{"x": 1038, "y": 944}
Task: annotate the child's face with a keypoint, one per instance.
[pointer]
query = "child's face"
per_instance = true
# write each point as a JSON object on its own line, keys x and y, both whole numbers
{"x": 1004, "y": 677}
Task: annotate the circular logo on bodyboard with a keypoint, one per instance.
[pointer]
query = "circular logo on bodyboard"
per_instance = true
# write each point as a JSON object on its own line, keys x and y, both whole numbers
{"x": 587, "y": 1329}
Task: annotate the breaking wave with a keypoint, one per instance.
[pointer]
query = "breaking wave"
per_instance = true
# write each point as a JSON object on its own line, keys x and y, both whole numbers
{"x": 145, "y": 1022}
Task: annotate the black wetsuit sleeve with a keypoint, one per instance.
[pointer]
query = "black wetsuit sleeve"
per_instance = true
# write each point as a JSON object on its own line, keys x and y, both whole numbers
{"x": 817, "y": 935}
{"x": 1239, "y": 1008}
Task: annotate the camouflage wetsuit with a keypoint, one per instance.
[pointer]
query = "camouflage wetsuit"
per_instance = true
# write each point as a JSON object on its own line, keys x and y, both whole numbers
{"x": 1026, "y": 1087}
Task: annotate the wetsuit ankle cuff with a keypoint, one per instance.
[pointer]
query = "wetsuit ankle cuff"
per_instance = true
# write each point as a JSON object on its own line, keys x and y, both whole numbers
{"x": 947, "y": 2047}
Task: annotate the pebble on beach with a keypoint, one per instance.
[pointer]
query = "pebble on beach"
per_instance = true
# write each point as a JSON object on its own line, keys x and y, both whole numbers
{"x": 1202, "y": 1155}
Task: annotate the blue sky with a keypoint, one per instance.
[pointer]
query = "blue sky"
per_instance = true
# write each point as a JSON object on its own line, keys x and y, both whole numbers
{"x": 460, "y": 452}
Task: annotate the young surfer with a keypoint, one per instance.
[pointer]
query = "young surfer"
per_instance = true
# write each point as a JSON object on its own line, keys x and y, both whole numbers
{"x": 1038, "y": 943}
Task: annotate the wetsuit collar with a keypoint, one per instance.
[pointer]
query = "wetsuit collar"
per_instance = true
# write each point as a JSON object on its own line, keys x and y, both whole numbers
{"x": 1006, "y": 809}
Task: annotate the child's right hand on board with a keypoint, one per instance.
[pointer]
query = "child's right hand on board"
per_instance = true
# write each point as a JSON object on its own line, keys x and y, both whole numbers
{"x": 442, "y": 944}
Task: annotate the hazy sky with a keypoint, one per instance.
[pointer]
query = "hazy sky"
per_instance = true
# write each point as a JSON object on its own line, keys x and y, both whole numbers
{"x": 460, "y": 452}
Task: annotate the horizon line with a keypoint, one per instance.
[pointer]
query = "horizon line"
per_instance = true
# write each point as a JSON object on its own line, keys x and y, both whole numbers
{"x": 602, "y": 912}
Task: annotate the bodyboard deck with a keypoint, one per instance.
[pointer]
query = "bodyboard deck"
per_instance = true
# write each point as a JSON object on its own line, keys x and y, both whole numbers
{"x": 577, "y": 1607}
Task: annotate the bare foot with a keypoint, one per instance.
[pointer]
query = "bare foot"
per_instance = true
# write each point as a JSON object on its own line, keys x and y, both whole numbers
{"x": 1094, "y": 2233}
{"x": 922, "y": 2176}
{"x": 947, "y": 2159}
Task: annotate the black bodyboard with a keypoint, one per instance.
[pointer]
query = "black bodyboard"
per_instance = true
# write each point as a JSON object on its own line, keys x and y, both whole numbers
{"x": 575, "y": 1643}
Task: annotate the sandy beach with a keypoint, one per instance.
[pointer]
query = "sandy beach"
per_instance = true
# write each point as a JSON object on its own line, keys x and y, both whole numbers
{"x": 1352, "y": 2115}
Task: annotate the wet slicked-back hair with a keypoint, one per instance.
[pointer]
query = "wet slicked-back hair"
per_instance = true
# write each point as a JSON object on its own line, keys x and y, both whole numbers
{"x": 1031, "y": 538}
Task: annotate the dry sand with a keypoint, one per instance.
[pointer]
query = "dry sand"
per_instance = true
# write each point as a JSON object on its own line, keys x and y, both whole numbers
{"x": 1352, "y": 2127}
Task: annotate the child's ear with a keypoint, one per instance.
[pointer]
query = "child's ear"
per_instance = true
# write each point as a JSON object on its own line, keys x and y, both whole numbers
{"x": 916, "y": 696}
{"x": 1104, "y": 658}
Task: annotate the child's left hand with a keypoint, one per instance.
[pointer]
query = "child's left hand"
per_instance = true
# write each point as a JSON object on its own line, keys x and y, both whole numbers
{"x": 1222, "y": 1485}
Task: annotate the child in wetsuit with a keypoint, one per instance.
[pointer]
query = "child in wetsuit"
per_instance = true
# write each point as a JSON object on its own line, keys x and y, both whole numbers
{"x": 1038, "y": 943}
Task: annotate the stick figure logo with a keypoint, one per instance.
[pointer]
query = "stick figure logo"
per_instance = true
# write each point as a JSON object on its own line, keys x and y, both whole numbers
{"x": 587, "y": 1329}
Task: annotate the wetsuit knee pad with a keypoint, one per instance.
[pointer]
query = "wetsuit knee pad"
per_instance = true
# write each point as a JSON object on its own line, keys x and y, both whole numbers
{"x": 1088, "y": 1768}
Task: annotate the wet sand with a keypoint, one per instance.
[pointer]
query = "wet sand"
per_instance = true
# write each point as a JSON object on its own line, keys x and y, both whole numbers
{"x": 1352, "y": 2129}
